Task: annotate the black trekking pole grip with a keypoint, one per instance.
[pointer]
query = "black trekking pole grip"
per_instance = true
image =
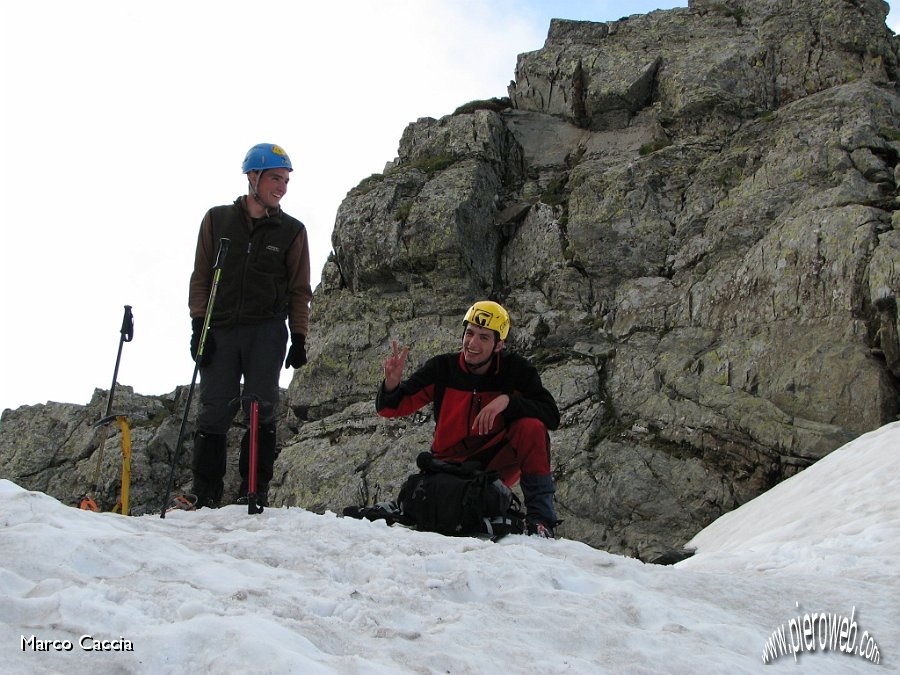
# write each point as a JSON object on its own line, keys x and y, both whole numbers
{"x": 223, "y": 251}
{"x": 127, "y": 333}
{"x": 217, "y": 274}
{"x": 127, "y": 329}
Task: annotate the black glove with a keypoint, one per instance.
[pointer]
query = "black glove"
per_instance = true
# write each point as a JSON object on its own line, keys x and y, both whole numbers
{"x": 297, "y": 353}
{"x": 209, "y": 346}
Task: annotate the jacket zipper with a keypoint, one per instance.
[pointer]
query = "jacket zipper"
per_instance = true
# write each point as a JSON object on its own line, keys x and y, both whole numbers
{"x": 474, "y": 408}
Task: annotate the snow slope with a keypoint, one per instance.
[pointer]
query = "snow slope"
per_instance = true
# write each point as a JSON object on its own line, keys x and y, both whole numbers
{"x": 289, "y": 591}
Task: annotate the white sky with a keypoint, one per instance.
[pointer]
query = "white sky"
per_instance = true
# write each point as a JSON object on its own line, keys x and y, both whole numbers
{"x": 123, "y": 123}
{"x": 289, "y": 591}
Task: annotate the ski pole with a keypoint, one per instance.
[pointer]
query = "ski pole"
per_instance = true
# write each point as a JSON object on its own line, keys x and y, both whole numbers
{"x": 217, "y": 273}
{"x": 126, "y": 335}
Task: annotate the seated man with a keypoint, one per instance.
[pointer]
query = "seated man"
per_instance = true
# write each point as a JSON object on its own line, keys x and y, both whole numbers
{"x": 489, "y": 407}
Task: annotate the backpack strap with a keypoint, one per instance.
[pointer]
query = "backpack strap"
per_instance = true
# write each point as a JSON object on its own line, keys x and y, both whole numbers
{"x": 428, "y": 463}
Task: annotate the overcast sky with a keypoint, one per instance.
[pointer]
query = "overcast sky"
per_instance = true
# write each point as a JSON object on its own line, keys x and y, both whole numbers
{"x": 123, "y": 123}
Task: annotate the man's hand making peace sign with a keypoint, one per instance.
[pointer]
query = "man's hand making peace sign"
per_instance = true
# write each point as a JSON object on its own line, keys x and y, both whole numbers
{"x": 393, "y": 366}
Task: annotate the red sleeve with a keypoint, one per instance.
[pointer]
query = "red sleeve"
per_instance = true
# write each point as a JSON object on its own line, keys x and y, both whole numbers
{"x": 399, "y": 404}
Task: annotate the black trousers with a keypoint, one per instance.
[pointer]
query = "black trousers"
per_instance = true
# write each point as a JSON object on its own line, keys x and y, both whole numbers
{"x": 253, "y": 352}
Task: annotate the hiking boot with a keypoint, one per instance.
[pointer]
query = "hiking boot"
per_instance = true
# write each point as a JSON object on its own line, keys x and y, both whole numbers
{"x": 206, "y": 502}
{"x": 541, "y": 530}
{"x": 262, "y": 493}
{"x": 388, "y": 511}
{"x": 538, "y": 492}
{"x": 262, "y": 499}
{"x": 208, "y": 466}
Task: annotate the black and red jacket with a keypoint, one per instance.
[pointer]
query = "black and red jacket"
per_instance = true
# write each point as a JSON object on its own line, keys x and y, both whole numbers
{"x": 459, "y": 395}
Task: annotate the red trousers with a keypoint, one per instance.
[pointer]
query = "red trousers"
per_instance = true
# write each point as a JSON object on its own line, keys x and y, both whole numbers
{"x": 523, "y": 447}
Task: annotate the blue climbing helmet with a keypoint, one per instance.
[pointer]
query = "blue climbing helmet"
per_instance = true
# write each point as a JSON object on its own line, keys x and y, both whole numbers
{"x": 264, "y": 156}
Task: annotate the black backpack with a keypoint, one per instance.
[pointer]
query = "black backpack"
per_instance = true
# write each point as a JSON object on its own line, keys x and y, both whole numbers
{"x": 457, "y": 499}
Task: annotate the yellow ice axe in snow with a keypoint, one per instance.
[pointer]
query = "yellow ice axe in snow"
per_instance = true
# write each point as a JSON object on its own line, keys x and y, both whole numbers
{"x": 88, "y": 503}
{"x": 122, "y": 505}
{"x": 127, "y": 335}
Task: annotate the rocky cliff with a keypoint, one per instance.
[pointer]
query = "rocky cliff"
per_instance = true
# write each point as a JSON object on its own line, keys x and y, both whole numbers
{"x": 691, "y": 216}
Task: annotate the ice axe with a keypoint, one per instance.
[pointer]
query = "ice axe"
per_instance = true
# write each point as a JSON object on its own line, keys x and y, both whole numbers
{"x": 126, "y": 334}
{"x": 253, "y": 507}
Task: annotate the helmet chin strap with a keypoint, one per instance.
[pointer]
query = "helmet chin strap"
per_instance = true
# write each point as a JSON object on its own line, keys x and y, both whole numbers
{"x": 254, "y": 192}
{"x": 476, "y": 366}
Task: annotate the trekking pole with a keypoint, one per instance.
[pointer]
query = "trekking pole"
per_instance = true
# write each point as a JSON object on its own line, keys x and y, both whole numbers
{"x": 126, "y": 335}
{"x": 217, "y": 273}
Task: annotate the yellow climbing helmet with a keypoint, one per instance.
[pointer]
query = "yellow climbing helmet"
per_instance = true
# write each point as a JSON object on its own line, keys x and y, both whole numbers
{"x": 489, "y": 314}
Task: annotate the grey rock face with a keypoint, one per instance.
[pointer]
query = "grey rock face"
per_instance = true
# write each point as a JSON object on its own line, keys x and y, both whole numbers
{"x": 689, "y": 215}
{"x": 692, "y": 218}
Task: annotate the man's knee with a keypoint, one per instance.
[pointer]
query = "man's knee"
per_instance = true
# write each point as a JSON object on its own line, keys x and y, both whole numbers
{"x": 532, "y": 444}
{"x": 530, "y": 429}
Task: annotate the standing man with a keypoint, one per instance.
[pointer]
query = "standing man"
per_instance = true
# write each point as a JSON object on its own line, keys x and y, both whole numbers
{"x": 264, "y": 281}
{"x": 489, "y": 407}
